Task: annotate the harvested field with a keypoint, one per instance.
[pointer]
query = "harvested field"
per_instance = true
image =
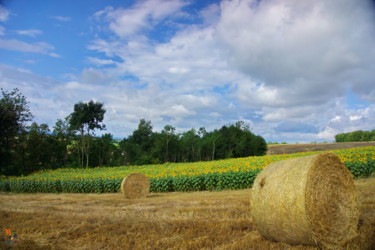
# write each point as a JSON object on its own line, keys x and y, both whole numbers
{"x": 306, "y": 147}
{"x": 212, "y": 220}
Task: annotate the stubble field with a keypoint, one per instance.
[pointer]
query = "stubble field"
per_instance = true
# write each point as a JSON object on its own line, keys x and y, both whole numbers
{"x": 195, "y": 220}
{"x": 306, "y": 147}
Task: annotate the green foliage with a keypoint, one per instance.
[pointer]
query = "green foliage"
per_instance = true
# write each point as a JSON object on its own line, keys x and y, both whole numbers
{"x": 85, "y": 118}
{"x": 4, "y": 184}
{"x": 14, "y": 115}
{"x": 77, "y": 185}
{"x": 161, "y": 184}
{"x": 236, "y": 173}
{"x": 212, "y": 181}
{"x": 147, "y": 147}
{"x": 358, "y": 135}
{"x": 361, "y": 169}
{"x": 36, "y": 148}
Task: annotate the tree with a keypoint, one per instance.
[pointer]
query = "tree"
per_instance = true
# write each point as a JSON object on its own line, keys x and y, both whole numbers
{"x": 86, "y": 118}
{"x": 104, "y": 149}
{"x": 34, "y": 150}
{"x": 141, "y": 143}
{"x": 14, "y": 115}
{"x": 39, "y": 151}
{"x": 189, "y": 142}
{"x": 209, "y": 140}
{"x": 63, "y": 137}
{"x": 358, "y": 135}
{"x": 129, "y": 151}
{"x": 143, "y": 134}
{"x": 168, "y": 135}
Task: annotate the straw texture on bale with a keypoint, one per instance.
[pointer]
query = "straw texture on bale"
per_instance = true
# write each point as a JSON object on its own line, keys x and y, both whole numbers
{"x": 309, "y": 200}
{"x": 135, "y": 186}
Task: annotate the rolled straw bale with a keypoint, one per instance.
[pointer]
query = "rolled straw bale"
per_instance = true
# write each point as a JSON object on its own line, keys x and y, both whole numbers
{"x": 309, "y": 200}
{"x": 135, "y": 186}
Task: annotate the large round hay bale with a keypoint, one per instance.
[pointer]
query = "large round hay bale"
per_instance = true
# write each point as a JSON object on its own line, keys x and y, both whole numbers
{"x": 309, "y": 200}
{"x": 135, "y": 186}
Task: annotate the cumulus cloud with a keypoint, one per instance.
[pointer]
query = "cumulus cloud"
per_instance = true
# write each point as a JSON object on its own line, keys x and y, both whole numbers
{"x": 40, "y": 92}
{"x": 287, "y": 63}
{"x": 285, "y": 66}
{"x": 303, "y": 51}
{"x": 142, "y": 16}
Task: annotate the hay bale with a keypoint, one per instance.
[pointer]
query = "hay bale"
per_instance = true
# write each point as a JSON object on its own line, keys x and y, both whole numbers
{"x": 366, "y": 236}
{"x": 135, "y": 186}
{"x": 309, "y": 200}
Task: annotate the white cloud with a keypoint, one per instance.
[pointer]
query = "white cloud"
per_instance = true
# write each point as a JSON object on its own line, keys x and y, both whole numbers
{"x": 177, "y": 70}
{"x": 39, "y": 47}
{"x": 4, "y": 14}
{"x": 282, "y": 60}
{"x": 31, "y": 32}
{"x": 142, "y": 16}
{"x": 328, "y": 134}
{"x": 62, "y": 18}
{"x": 210, "y": 14}
{"x": 100, "y": 62}
{"x": 336, "y": 118}
{"x": 355, "y": 117}
{"x": 307, "y": 51}
{"x": 284, "y": 66}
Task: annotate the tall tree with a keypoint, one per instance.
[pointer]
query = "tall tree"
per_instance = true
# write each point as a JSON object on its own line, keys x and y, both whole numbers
{"x": 86, "y": 118}
{"x": 189, "y": 141}
{"x": 38, "y": 148}
{"x": 63, "y": 136}
{"x": 209, "y": 144}
{"x": 14, "y": 115}
{"x": 34, "y": 150}
{"x": 141, "y": 142}
{"x": 143, "y": 134}
{"x": 105, "y": 149}
{"x": 168, "y": 135}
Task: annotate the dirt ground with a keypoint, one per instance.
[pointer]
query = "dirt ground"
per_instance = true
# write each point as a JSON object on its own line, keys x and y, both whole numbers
{"x": 306, "y": 147}
{"x": 196, "y": 220}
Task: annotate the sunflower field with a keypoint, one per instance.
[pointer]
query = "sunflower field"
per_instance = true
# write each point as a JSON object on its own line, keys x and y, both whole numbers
{"x": 237, "y": 173}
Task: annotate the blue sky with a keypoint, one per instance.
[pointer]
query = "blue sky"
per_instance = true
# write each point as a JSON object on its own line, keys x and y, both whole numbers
{"x": 295, "y": 71}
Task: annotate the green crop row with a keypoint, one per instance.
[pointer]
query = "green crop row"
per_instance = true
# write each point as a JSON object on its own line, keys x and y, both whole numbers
{"x": 63, "y": 186}
{"x": 212, "y": 181}
{"x": 362, "y": 168}
{"x": 217, "y": 175}
{"x": 215, "y": 181}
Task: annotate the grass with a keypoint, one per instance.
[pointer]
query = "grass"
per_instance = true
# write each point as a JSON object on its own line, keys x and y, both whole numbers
{"x": 196, "y": 220}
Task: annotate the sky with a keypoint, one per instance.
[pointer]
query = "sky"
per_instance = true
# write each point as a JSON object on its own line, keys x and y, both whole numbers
{"x": 295, "y": 71}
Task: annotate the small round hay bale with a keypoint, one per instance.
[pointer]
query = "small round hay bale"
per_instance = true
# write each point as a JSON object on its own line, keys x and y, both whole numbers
{"x": 135, "y": 186}
{"x": 309, "y": 200}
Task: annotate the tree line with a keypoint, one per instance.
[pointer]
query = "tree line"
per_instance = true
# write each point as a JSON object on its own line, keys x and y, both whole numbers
{"x": 27, "y": 147}
{"x": 358, "y": 135}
